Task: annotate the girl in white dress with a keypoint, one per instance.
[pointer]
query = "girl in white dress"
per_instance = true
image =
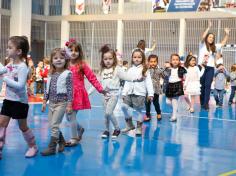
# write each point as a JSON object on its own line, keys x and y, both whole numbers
{"x": 192, "y": 86}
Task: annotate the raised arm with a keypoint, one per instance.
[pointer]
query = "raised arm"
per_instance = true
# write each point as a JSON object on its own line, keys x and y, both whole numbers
{"x": 92, "y": 78}
{"x": 206, "y": 31}
{"x": 225, "y": 39}
{"x": 152, "y": 48}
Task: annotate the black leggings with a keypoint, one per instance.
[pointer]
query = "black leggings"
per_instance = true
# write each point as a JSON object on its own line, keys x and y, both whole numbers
{"x": 156, "y": 105}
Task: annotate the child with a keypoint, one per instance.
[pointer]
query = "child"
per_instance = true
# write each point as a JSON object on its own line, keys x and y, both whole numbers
{"x": 192, "y": 86}
{"x": 219, "y": 59}
{"x": 233, "y": 83}
{"x": 156, "y": 75}
{"x": 39, "y": 78}
{"x": 79, "y": 69}
{"x": 174, "y": 88}
{"x": 220, "y": 79}
{"x": 142, "y": 45}
{"x": 59, "y": 93}
{"x": 134, "y": 93}
{"x": 15, "y": 105}
{"x": 46, "y": 68}
{"x": 111, "y": 74}
{"x": 125, "y": 66}
{"x": 3, "y": 91}
{"x": 30, "y": 82}
{"x": 166, "y": 77}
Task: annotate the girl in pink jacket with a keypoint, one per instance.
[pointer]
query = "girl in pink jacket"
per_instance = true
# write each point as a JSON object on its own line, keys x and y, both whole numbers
{"x": 79, "y": 69}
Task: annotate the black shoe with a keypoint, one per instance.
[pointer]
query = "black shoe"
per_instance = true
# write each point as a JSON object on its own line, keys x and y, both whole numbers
{"x": 105, "y": 134}
{"x": 115, "y": 134}
{"x": 61, "y": 142}
{"x": 206, "y": 107}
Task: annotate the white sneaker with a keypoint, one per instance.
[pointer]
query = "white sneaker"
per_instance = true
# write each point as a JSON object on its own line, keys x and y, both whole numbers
{"x": 31, "y": 152}
{"x": 173, "y": 119}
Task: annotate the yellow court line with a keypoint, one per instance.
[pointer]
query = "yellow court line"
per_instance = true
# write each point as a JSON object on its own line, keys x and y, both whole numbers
{"x": 228, "y": 173}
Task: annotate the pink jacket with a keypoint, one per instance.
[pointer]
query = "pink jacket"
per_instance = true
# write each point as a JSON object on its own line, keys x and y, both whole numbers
{"x": 80, "y": 95}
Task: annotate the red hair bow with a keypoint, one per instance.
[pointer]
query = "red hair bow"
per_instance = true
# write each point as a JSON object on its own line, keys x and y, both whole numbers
{"x": 72, "y": 40}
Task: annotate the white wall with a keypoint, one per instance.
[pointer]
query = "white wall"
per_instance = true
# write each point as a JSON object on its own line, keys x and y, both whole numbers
{"x": 20, "y": 23}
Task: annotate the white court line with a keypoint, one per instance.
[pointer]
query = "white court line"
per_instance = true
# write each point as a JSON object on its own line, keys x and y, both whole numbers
{"x": 183, "y": 115}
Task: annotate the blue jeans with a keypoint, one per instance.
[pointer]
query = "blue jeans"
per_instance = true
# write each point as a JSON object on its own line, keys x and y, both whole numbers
{"x": 219, "y": 96}
{"x": 233, "y": 89}
{"x": 206, "y": 81}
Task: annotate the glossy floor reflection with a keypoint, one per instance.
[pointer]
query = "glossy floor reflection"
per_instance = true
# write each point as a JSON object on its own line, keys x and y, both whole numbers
{"x": 203, "y": 143}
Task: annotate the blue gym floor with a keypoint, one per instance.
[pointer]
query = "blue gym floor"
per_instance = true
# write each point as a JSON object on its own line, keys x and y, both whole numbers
{"x": 203, "y": 143}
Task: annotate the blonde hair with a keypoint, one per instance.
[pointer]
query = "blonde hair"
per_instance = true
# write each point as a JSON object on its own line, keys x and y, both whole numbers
{"x": 233, "y": 68}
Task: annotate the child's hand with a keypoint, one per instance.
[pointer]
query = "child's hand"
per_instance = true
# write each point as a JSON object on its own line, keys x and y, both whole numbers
{"x": 105, "y": 93}
{"x": 184, "y": 88}
{"x": 43, "y": 107}
{"x": 150, "y": 98}
{"x": 139, "y": 79}
{"x": 69, "y": 109}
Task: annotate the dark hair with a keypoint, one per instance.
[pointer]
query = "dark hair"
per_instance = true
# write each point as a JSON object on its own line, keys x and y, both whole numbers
{"x": 78, "y": 47}
{"x": 22, "y": 43}
{"x": 141, "y": 44}
{"x": 152, "y": 56}
{"x": 145, "y": 68}
{"x": 106, "y": 49}
{"x": 172, "y": 55}
{"x": 188, "y": 59}
{"x": 62, "y": 52}
{"x": 219, "y": 65}
{"x": 125, "y": 62}
{"x": 210, "y": 47}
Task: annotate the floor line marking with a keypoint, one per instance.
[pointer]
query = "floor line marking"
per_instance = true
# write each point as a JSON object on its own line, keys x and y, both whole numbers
{"x": 228, "y": 173}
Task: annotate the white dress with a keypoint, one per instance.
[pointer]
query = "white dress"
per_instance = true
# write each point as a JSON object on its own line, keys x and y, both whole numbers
{"x": 192, "y": 81}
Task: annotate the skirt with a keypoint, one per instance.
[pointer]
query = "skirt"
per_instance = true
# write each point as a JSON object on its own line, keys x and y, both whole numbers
{"x": 174, "y": 89}
{"x": 14, "y": 109}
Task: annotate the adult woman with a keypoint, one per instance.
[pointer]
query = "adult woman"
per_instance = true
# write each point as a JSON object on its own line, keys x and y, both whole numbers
{"x": 207, "y": 55}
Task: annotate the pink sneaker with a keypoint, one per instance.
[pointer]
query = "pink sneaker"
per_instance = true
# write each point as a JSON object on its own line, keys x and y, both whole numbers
{"x": 31, "y": 152}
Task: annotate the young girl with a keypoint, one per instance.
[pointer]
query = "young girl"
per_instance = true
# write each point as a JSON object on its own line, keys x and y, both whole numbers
{"x": 15, "y": 105}
{"x": 156, "y": 75}
{"x": 134, "y": 93}
{"x": 79, "y": 69}
{"x": 233, "y": 83}
{"x": 174, "y": 88}
{"x": 192, "y": 86}
{"x": 39, "y": 78}
{"x": 208, "y": 45}
{"x": 59, "y": 93}
{"x": 30, "y": 82}
{"x": 111, "y": 74}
